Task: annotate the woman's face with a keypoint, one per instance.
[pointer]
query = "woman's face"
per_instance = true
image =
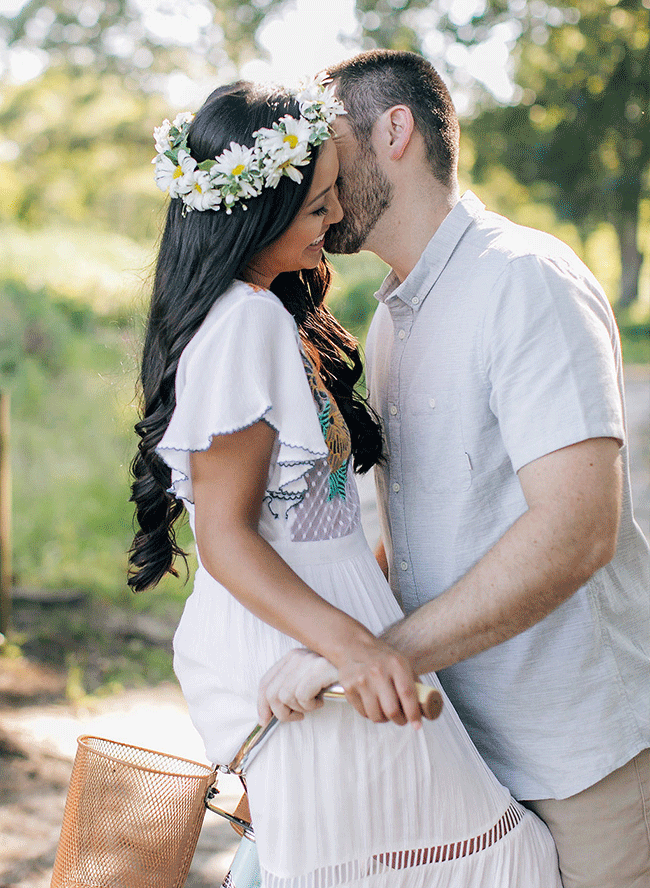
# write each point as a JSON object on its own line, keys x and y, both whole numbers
{"x": 301, "y": 245}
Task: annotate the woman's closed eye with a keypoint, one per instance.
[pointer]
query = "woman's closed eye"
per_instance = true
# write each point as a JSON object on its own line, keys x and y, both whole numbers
{"x": 321, "y": 211}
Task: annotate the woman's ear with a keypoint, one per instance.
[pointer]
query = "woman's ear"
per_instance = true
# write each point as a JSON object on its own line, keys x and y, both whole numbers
{"x": 395, "y": 129}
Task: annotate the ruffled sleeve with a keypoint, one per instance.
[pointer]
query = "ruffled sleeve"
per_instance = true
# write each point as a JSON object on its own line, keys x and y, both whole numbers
{"x": 245, "y": 364}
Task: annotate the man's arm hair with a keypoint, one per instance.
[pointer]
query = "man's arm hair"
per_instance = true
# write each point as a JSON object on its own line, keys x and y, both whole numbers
{"x": 568, "y": 532}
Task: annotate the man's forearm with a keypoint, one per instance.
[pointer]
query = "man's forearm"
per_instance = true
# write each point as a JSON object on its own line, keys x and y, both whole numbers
{"x": 518, "y": 583}
{"x": 380, "y": 556}
{"x": 552, "y": 550}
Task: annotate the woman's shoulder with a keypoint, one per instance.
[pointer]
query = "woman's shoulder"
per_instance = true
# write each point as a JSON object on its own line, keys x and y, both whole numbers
{"x": 243, "y": 293}
{"x": 242, "y": 300}
{"x": 244, "y": 310}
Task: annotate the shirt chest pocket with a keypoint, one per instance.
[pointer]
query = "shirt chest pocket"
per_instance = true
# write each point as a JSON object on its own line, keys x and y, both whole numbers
{"x": 434, "y": 450}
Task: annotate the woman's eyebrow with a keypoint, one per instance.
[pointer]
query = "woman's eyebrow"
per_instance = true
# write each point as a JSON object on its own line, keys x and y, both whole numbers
{"x": 318, "y": 196}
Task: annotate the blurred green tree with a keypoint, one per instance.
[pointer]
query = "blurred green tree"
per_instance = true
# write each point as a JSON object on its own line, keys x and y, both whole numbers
{"x": 130, "y": 36}
{"x": 76, "y": 149}
{"x": 579, "y": 134}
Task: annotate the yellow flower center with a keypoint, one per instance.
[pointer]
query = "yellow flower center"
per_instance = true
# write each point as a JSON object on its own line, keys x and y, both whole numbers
{"x": 238, "y": 170}
{"x": 292, "y": 139}
{"x": 178, "y": 172}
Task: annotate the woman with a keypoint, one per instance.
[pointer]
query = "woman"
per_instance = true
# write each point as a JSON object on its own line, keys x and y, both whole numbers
{"x": 251, "y": 422}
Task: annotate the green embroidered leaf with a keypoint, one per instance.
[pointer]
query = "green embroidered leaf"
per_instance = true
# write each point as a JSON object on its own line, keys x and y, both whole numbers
{"x": 337, "y": 482}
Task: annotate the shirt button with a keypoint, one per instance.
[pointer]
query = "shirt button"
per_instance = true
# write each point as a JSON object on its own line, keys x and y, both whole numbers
{"x": 415, "y": 300}
{"x": 404, "y": 565}
{"x": 393, "y": 410}
{"x": 396, "y": 487}
{"x": 402, "y": 334}
{"x": 432, "y": 403}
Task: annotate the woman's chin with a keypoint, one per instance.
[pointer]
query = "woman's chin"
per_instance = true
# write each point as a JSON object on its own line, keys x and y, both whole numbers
{"x": 313, "y": 256}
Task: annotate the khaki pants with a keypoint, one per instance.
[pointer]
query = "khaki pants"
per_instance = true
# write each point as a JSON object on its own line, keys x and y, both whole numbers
{"x": 603, "y": 833}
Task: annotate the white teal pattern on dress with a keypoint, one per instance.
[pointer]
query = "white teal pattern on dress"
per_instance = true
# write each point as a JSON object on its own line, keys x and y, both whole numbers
{"x": 335, "y": 432}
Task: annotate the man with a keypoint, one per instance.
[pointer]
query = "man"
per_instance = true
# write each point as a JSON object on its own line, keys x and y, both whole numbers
{"x": 494, "y": 363}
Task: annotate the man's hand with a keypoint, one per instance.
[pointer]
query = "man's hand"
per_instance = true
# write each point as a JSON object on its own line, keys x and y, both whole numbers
{"x": 380, "y": 683}
{"x": 377, "y": 680}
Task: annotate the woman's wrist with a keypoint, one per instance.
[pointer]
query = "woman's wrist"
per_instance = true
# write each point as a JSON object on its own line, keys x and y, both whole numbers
{"x": 347, "y": 639}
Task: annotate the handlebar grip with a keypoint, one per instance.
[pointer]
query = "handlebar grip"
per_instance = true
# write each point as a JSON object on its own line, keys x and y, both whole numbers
{"x": 430, "y": 699}
{"x": 430, "y": 702}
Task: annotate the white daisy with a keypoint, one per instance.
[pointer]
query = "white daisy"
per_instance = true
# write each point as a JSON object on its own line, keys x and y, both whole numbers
{"x": 165, "y": 170}
{"x": 274, "y": 171}
{"x": 183, "y": 118}
{"x": 311, "y": 92}
{"x": 288, "y": 139}
{"x": 161, "y": 137}
{"x": 317, "y": 101}
{"x": 175, "y": 178}
{"x": 202, "y": 196}
{"x": 235, "y": 162}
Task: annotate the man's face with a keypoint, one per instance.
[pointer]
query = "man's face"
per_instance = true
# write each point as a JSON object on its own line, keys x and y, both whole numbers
{"x": 364, "y": 192}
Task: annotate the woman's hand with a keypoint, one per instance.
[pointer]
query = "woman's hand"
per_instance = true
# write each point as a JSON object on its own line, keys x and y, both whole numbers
{"x": 291, "y": 687}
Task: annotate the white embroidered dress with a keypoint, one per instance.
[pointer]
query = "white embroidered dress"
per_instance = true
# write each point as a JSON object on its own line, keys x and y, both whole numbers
{"x": 335, "y": 799}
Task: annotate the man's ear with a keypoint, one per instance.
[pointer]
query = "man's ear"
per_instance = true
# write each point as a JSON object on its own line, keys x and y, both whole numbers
{"x": 395, "y": 129}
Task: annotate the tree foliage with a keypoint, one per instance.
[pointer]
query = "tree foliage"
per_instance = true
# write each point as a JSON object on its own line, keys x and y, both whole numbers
{"x": 83, "y": 147}
{"x": 577, "y": 133}
{"x": 581, "y": 129}
{"x": 136, "y": 37}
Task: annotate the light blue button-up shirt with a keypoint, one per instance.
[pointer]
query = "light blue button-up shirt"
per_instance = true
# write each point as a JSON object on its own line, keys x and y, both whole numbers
{"x": 498, "y": 348}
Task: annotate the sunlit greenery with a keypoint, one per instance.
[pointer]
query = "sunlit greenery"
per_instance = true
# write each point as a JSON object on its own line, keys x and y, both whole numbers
{"x": 579, "y": 136}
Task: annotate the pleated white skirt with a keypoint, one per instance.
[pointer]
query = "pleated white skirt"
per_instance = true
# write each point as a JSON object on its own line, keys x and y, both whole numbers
{"x": 335, "y": 799}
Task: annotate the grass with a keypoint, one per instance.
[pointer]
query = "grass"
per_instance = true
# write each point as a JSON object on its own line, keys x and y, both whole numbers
{"x": 104, "y": 271}
{"x": 635, "y": 341}
{"x": 73, "y": 410}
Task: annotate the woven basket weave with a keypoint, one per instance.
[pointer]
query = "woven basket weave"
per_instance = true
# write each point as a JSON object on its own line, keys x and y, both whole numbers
{"x": 132, "y": 817}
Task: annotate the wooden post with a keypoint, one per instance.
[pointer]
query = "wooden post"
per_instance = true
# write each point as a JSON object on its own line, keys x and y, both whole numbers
{"x": 5, "y": 514}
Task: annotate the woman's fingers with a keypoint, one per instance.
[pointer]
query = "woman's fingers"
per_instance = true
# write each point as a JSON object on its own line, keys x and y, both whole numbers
{"x": 318, "y": 674}
{"x": 264, "y": 709}
{"x": 291, "y": 687}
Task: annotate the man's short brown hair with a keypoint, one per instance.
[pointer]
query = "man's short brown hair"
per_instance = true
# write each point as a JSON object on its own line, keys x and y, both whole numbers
{"x": 372, "y": 82}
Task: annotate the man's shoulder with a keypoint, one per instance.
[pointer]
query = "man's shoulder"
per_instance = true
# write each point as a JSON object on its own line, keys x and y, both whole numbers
{"x": 507, "y": 241}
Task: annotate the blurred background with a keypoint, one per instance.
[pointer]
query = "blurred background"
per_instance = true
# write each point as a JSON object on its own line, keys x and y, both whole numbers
{"x": 554, "y": 100}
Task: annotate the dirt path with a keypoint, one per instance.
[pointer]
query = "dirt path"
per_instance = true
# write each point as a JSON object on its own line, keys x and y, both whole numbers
{"x": 38, "y": 739}
{"x": 39, "y": 746}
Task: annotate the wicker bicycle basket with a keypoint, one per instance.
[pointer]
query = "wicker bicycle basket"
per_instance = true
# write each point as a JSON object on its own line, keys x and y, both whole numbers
{"x": 132, "y": 817}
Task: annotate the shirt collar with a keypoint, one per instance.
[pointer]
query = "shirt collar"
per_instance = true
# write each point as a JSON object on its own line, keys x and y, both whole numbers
{"x": 437, "y": 253}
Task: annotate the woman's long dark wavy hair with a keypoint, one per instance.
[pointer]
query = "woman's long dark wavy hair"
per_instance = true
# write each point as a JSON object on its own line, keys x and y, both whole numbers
{"x": 200, "y": 254}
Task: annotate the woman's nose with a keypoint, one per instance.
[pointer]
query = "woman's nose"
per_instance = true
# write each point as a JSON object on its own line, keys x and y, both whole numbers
{"x": 336, "y": 210}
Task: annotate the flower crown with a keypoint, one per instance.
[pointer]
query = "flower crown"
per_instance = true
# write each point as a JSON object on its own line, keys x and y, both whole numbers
{"x": 240, "y": 172}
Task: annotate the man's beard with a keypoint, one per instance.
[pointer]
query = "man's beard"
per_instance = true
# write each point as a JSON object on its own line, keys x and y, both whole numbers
{"x": 365, "y": 195}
